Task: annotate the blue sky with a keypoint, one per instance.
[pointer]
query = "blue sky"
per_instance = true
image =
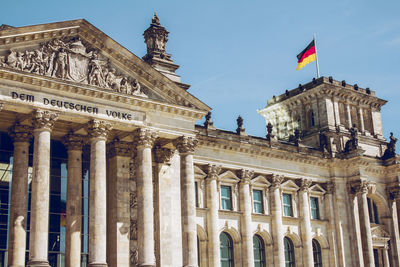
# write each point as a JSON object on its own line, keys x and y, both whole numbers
{"x": 238, "y": 54}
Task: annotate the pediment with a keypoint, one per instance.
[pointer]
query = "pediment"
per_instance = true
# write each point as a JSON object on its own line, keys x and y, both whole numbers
{"x": 379, "y": 232}
{"x": 228, "y": 176}
{"x": 317, "y": 189}
{"x": 78, "y": 53}
{"x": 199, "y": 173}
{"x": 260, "y": 181}
{"x": 290, "y": 185}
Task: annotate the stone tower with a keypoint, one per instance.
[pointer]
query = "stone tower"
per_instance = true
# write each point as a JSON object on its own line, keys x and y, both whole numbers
{"x": 331, "y": 110}
{"x": 156, "y": 38}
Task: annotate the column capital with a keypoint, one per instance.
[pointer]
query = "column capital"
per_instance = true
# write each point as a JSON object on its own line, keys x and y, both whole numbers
{"x": 361, "y": 186}
{"x": 73, "y": 141}
{"x": 98, "y": 129}
{"x": 394, "y": 192}
{"x": 145, "y": 137}
{"x": 44, "y": 119}
{"x": 213, "y": 171}
{"x": 162, "y": 155}
{"x": 20, "y": 133}
{"x": 186, "y": 144}
{"x": 276, "y": 180}
{"x": 330, "y": 187}
{"x": 119, "y": 148}
{"x": 305, "y": 184}
{"x": 245, "y": 176}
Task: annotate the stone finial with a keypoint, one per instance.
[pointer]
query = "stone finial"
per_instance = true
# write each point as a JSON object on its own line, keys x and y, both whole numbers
{"x": 162, "y": 155}
{"x": 277, "y": 180}
{"x": 98, "y": 129}
{"x": 269, "y": 131}
{"x": 44, "y": 119}
{"x": 208, "y": 123}
{"x": 245, "y": 175}
{"x": 119, "y": 148}
{"x": 156, "y": 38}
{"x": 305, "y": 184}
{"x": 73, "y": 141}
{"x": 144, "y": 137}
{"x": 20, "y": 133}
{"x": 213, "y": 171}
{"x": 240, "y": 130}
{"x": 186, "y": 144}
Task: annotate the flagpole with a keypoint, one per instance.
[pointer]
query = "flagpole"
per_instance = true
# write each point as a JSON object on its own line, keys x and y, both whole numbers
{"x": 316, "y": 55}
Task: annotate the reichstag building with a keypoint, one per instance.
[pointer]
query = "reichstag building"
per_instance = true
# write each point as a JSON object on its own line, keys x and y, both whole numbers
{"x": 102, "y": 164}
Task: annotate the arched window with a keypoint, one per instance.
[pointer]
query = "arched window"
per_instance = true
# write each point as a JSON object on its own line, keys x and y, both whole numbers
{"x": 317, "y": 253}
{"x": 259, "y": 251}
{"x": 289, "y": 252}
{"x": 373, "y": 211}
{"x": 226, "y": 248}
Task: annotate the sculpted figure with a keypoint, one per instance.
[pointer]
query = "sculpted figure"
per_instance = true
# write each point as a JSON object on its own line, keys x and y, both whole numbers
{"x": 95, "y": 71}
{"x": 125, "y": 86}
{"x": 3, "y": 61}
{"x": 37, "y": 63}
{"x": 390, "y": 151}
{"x": 60, "y": 67}
{"x": 352, "y": 143}
{"x": 27, "y": 60}
{"x": 20, "y": 61}
{"x": 12, "y": 59}
{"x": 111, "y": 80}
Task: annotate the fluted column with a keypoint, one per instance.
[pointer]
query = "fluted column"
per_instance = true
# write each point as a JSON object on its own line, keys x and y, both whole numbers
{"x": 74, "y": 144}
{"x": 21, "y": 136}
{"x": 98, "y": 132}
{"x": 394, "y": 223}
{"x": 361, "y": 189}
{"x": 306, "y": 223}
{"x": 212, "y": 215}
{"x": 348, "y": 110}
{"x": 246, "y": 209}
{"x": 43, "y": 122}
{"x": 361, "y": 116}
{"x": 144, "y": 183}
{"x": 118, "y": 197}
{"x": 335, "y": 236}
{"x": 277, "y": 228}
{"x": 186, "y": 146}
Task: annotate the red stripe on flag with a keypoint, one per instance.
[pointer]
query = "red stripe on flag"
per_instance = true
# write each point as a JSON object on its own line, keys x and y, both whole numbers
{"x": 308, "y": 53}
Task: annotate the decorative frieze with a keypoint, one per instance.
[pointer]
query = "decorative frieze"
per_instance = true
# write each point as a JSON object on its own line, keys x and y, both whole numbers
{"x": 74, "y": 141}
{"x": 20, "y": 133}
{"x": 119, "y": 148}
{"x": 44, "y": 119}
{"x": 98, "y": 129}
{"x": 186, "y": 144}
{"x": 144, "y": 137}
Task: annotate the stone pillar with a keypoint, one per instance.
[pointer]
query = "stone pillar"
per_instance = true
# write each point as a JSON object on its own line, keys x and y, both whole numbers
{"x": 334, "y": 232}
{"x": 277, "y": 228}
{"x": 145, "y": 205}
{"x": 186, "y": 146}
{"x": 386, "y": 262}
{"x": 361, "y": 117}
{"x": 118, "y": 203}
{"x": 336, "y": 111}
{"x": 43, "y": 122}
{"x": 394, "y": 206}
{"x": 98, "y": 132}
{"x": 212, "y": 215}
{"x": 21, "y": 136}
{"x": 361, "y": 189}
{"x": 74, "y": 144}
{"x": 306, "y": 223}
{"x": 246, "y": 209}
{"x": 348, "y": 110}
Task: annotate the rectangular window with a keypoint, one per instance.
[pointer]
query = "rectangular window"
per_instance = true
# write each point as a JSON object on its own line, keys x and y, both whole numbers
{"x": 314, "y": 208}
{"x": 196, "y": 194}
{"x": 287, "y": 205}
{"x": 258, "y": 201}
{"x": 226, "y": 197}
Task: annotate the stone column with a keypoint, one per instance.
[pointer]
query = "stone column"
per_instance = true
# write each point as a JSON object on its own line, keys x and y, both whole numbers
{"x": 386, "y": 262}
{"x": 21, "y": 135}
{"x": 306, "y": 223}
{"x": 361, "y": 117}
{"x": 361, "y": 189}
{"x": 43, "y": 122}
{"x": 336, "y": 111}
{"x": 212, "y": 215}
{"x": 74, "y": 144}
{"x": 98, "y": 132}
{"x": 186, "y": 146}
{"x": 348, "y": 110}
{"x": 394, "y": 206}
{"x": 335, "y": 239}
{"x": 246, "y": 209}
{"x": 118, "y": 203}
{"x": 145, "y": 205}
{"x": 277, "y": 228}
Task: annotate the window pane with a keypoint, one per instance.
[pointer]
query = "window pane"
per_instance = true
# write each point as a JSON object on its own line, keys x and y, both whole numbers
{"x": 317, "y": 253}
{"x": 287, "y": 205}
{"x": 226, "y": 250}
{"x": 314, "y": 208}
{"x": 226, "y": 200}
{"x": 258, "y": 201}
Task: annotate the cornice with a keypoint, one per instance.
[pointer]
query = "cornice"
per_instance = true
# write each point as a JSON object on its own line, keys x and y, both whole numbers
{"x": 61, "y": 86}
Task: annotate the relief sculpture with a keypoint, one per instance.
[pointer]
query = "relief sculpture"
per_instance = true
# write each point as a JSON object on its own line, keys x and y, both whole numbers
{"x": 70, "y": 59}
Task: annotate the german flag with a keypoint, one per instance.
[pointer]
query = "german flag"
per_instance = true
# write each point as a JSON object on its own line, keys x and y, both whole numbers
{"x": 306, "y": 56}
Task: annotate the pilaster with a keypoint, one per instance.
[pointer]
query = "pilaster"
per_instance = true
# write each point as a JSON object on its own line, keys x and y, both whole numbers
{"x": 306, "y": 223}
{"x": 277, "y": 228}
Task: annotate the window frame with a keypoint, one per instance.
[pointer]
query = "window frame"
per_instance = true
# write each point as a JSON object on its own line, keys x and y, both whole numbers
{"x": 290, "y": 206}
{"x": 291, "y": 260}
{"x": 318, "y": 210}
{"x": 373, "y": 212}
{"x": 263, "y": 260}
{"x": 317, "y": 250}
{"x": 222, "y": 198}
{"x": 230, "y": 247}
{"x": 260, "y": 202}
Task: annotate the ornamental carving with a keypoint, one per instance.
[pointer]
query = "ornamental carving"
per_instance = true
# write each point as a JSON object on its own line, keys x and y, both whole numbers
{"x": 1, "y": 105}
{"x": 330, "y": 188}
{"x": 394, "y": 192}
{"x": 119, "y": 148}
{"x": 20, "y": 133}
{"x": 134, "y": 257}
{"x": 245, "y": 175}
{"x": 44, "y": 119}
{"x": 361, "y": 187}
{"x": 73, "y": 141}
{"x": 74, "y": 60}
{"x": 133, "y": 200}
{"x": 186, "y": 144}
{"x": 133, "y": 230}
{"x": 145, "y": 137}
{"x": 213, "y": 171}
{"x": 305, "y": 184}
{"x": 99, "y": 129}
{"x": 162, "y": 155}
{"x": 276, "y": 181}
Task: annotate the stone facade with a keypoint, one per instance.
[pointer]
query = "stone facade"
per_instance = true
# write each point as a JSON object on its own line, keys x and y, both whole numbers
{"x": 103, "y": 165}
